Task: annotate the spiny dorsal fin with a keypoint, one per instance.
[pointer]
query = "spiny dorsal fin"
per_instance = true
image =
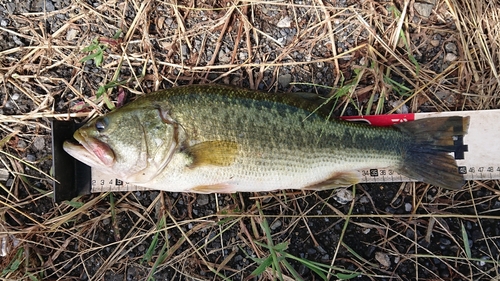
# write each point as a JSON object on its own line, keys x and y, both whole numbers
{"x": 217, "y": 153}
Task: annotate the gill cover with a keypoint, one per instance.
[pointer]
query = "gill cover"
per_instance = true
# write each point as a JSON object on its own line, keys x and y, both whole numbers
{"x": 131, "y": 143}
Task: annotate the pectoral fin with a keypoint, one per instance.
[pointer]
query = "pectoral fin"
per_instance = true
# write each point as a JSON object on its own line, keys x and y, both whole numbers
{"x": 338, "y": 179}
{"x": 217, "y": 153}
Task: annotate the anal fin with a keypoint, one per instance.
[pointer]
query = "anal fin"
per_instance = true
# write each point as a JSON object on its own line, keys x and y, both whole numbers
{"x": 337, "y": 179}
{"x": 213, "y": 188}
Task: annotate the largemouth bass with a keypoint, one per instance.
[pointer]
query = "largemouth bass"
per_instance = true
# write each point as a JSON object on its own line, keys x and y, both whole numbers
{"x": 207, "y": 138}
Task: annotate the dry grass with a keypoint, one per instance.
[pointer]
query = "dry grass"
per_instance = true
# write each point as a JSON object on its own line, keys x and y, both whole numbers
{"x": 375, "y": 57}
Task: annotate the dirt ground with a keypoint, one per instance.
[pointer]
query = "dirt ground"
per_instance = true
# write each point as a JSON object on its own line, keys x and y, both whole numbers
{"x": 76, "y": 59}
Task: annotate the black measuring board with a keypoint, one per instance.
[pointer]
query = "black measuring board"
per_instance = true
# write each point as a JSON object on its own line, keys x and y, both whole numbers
{"x": 72, "y": 176}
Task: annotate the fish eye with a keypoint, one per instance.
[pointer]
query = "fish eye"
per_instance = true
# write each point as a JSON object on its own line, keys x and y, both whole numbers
{"x": 101, "y": 124}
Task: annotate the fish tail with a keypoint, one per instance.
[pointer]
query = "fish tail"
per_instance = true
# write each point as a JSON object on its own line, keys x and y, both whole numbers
{"x": 427, "y": 157}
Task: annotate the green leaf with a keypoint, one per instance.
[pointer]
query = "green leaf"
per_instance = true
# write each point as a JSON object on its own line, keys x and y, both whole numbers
{"x": 6, "y": 139}
{"x": 32, "y": 277}
{"x": 90, "y": 48}
{"x": 14, "y": 265}
{"x": 75, "y": 204}
{"x": 108, "y": 102}
{"x": 100, "y": 91}
{"x": 98, "y": 59}
{"x": 465, "y": 238}
{"x": 117, "y": 34}
{"x": 343, "y": 276}
{"x": 314, "y": 266}
{"x": 262, "y": 267}
{"x": 91, "y": 56}
{"x": 281, "y": 246}
{"x": 292, "y": 270}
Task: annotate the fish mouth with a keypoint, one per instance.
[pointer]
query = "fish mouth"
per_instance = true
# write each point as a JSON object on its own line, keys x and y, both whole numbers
{"x": 89, "y": 150}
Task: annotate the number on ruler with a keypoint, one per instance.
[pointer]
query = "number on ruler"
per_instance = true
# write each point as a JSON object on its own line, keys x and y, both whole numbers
{"x": 462, "y": 170}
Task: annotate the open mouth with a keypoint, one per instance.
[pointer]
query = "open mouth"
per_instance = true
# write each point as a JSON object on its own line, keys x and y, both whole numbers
{"x": 90, "y": 151}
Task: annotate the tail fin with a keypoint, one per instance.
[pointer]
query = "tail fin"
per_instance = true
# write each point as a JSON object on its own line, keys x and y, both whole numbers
{"x": 427, "y": 158}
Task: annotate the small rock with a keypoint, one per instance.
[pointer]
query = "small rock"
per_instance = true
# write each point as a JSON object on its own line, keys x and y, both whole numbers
{"x": 451, "y": 47}
{"x": 369, "y": 251}
{"x": 49, "y": 6}
{"x": 383, "y": 259}
{"x": 243, "y": 56}
{"x": 153, "y": 195}
{"x": 21, "y": 144}
{"x": 17, "y": 40}
{"x": 435, "y": 43}
{"x": 450, "y": 57}
{"x": 446, "y": 96}
{"x": 408, "y": 207}
{"x": 483, "y": 260}
{"x": 284, "y": 80}
{"x": 39, "y": 143}
{"x": 321, "y": 250}
{"x": 275, "y": 225}
{"x": 4, "y": 175}
{"x": 364, "y": 200}
{"x": 343, "y": 196}
{"x": 224, "y": 56}
{"x": 30, "y": 158}
{"x": 311, "y": 251}
{"x": 71, "y": 34}
{"x": 444, "y": 241}
{"x": 184, "y": 50}
{"x": 11, "y": 7}
{"x": 424, "y": 8}
{"x": 284, "y": 22}
{"x": 402, "y": 109}
{"x": 202, "y": 199}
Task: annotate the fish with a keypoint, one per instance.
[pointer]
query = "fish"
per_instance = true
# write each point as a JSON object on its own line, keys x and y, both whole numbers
{"x": 223, "y": 139}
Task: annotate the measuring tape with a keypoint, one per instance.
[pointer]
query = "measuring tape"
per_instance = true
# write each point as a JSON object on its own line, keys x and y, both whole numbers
{"x": 481, "y": 161}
